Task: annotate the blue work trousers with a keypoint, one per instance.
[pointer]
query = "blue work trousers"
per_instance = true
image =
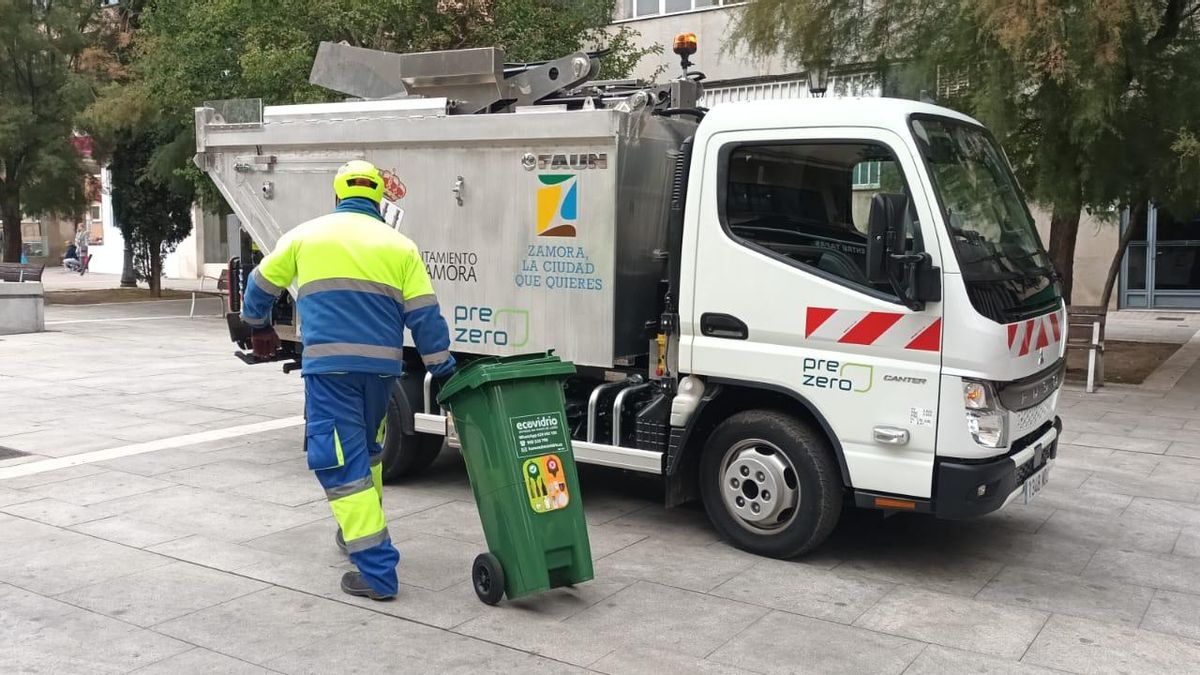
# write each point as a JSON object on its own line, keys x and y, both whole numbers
{"x": 345, "y": 415}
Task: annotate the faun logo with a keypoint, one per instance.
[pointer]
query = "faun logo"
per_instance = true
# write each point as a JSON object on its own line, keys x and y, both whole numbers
{"x": 563, "y": 162}
{"x": 557, "y": 205}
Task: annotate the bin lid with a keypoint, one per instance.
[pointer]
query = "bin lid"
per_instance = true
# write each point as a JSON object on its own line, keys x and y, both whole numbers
{"x": 491, "y": 369}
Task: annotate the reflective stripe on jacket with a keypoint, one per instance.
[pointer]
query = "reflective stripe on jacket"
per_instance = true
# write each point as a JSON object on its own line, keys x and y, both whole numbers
{"x": 360, "y": 283}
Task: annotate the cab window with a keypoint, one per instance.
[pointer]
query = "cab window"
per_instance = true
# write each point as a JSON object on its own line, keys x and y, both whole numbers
{"x": 808, "y": 204}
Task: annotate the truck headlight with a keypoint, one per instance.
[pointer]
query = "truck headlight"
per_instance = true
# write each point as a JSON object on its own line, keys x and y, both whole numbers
{"x": 986, "y": 419}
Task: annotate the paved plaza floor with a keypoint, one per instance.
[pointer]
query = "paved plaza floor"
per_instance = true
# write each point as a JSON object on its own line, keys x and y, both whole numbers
{"x": 162, "y": 520}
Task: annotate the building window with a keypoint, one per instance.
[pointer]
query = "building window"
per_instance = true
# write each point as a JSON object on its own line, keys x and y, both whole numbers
{"x": 640, "y": 9}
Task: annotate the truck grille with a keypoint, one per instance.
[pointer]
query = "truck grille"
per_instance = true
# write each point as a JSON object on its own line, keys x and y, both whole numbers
{"x": 1025, "y": 421}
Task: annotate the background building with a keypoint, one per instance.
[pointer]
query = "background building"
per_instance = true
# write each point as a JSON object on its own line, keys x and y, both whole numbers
{"x": 1161, "y": 270}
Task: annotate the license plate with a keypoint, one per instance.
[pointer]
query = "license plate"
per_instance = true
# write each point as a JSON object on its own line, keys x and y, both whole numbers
{"x": 1036, "y": 482}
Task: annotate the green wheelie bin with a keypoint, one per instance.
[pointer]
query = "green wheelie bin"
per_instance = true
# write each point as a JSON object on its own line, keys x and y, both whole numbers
{"x": 510, "y": 420}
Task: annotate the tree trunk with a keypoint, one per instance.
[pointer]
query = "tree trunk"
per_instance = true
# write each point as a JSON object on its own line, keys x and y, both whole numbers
{"x": 10, "y": 211}
{"x": 1064, "y": 231}
{"x": 1135, "y": 212}
{"x": 156, "y": 270}
{"x": 128, "y": 278}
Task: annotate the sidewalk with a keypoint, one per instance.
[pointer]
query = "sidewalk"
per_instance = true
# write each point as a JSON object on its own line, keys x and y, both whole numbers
{"x": 59, "y": 279}
{"x": 201, "y": 543}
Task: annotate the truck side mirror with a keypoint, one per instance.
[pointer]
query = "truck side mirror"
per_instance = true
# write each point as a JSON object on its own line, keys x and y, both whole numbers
{"x": 885, "y": 234}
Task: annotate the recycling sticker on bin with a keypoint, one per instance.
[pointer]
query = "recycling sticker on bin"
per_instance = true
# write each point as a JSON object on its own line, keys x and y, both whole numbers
{"x": 546, "y": 483}
{"x": 540, "y": 434}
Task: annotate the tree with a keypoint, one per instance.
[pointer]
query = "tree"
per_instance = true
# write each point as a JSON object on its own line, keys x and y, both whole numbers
{"x": 153, "y": 216}
{"x": 192, "y": 51}
{"x": 42, "y": 89}
{"x": 1069, "y": 86}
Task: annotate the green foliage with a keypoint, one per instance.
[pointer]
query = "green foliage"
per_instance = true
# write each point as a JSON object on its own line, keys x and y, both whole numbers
{"x": 153, "y": 215}
{"x": 1093, "y": 100}
{"x": 192, "y": 51}
{"x": 42, "y": 89}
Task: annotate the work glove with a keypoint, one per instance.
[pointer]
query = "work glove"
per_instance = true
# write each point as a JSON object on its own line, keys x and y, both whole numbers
{"x": 265, "y": 342}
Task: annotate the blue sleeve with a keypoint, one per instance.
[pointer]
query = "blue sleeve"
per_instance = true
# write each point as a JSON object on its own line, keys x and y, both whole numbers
{"x": 431, "y": 335}
{"x": 258, "y": 300}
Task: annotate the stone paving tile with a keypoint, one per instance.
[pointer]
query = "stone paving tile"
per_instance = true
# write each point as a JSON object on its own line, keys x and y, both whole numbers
{"x": 58, "y": 513}
{"x": 20, "y": 536}
{"x": 1110, "y": 602}
{"x": 957, "y": 574}
{"x": 60, "y": 442}
{"x": 801, "y": 589}
{"x": 1135, "y": 533}
{"x": 81, "y": 563}
{"x": 160, "y": 462}
{"x": 953, "y": 621}
{"x": 223, "y": 475}
{"x": 312, "y": 542}
{"x": 642, "y": 615}
{"x": 99, "y": 487}
{"x": 1141, "y": 487}
{"x": 683, "y": 525}
{"x": 938, "y": 660}
{"x": 1164, "y": 511}
{"x": 405, "y": 645}
{"x": 213, "y": 514}
{"x": 442, "y": 609}
{"x": 1188, "y": 543}
{"x": 1174, "y": 613}
{"x": 649, "y": 560}
{"x": 214, "y": 553}
{"x": 1177, "y": 469}
{"x": 160, "y": 594}
{"x": 33, "y": 480}
{"x": 200, "y": 660}
{"x": 1170, "y": 572}
{"x": 1126, "y": 443}
{"x": 1085, "y": 646}
{"x": 787, "y": 643}
{"x": 1104, "y": 459}
{"x": 1175, "y": 436}
{"x": 1133, "y": 420}
{"x": 299, "y": 575}
{"x": 128, "y": 531}
{"x": 650, "y": 661}
{"x": 1039, "y": 551}
{"x": 453, "y": 520}
{"x": 9, "y": 497}
{"x": 1188, "y": 448}
{"x": 42, "y": 635}
{"x": 288, "y": 490}
{"x": 270, "y": 623}
{"x": 606, "y": 540}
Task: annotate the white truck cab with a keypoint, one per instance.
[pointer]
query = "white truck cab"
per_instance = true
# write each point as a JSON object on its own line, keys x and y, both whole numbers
{"x": 781, "y": 307}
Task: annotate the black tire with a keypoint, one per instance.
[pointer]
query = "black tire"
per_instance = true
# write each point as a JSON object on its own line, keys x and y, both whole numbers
{"x": 406, "y": 455}
{"x": 487, "y": 576}
{"x": 809, "y": 479}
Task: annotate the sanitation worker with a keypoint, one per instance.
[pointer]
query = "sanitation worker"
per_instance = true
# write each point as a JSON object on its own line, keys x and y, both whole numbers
{"x": 360, "y": 283}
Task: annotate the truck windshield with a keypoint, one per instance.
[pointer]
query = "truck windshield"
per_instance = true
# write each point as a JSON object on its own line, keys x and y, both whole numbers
{"x": 1008, "y": 272}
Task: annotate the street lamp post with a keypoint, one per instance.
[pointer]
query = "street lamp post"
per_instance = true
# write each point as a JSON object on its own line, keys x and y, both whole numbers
{"x": 818, "y": 79}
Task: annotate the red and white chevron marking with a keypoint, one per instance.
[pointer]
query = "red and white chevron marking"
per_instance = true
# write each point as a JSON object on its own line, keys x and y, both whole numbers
{"x": 1034, "y": 334}
{"x": 885, "y": 329}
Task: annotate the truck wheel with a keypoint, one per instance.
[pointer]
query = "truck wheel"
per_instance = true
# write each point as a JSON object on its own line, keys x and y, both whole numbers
{"x": 406, "y": 455}
{"x": 770, "y": 484}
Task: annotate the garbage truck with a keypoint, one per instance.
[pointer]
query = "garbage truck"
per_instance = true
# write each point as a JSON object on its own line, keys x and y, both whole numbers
{"x": 780, "y": 307}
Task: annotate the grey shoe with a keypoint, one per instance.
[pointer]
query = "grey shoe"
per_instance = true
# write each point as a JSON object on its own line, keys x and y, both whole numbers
{"x": 341, "y": 542}
{"x": 354, "y": 584}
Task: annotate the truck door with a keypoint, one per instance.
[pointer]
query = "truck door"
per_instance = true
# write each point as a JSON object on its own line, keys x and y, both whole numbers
{"x": 782, "y": 300}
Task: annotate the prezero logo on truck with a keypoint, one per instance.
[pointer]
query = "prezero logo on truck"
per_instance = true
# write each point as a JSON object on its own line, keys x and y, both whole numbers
{"x": 504, "y": 327}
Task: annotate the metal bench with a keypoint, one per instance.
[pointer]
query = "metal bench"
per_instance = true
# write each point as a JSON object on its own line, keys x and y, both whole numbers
{"x": 19, "y": 272}
{"x": 222, "y": 291}
{"x": 1085, "y": 330}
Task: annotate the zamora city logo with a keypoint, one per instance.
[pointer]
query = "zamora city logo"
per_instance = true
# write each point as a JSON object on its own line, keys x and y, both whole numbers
{"x": 557, "y": 205}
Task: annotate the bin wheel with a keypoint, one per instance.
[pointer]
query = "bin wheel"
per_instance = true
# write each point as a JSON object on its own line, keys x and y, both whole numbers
{"x": 488, "y": 578}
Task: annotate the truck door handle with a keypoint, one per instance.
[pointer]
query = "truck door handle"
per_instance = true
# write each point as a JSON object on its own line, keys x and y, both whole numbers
{"x": 891, "y": 435}
{"x": 723, "y": 326}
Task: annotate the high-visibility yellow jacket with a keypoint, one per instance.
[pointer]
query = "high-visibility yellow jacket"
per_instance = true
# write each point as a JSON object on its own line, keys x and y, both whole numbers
{"x": 360, "y": 283}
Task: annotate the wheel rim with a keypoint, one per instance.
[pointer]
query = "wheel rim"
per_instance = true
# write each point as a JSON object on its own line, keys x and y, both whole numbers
{"x": 483, "y": 580}
{"x": 759, "y": 486}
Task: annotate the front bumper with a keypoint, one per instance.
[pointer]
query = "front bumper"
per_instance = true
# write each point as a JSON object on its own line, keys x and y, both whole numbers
{"x": 956, "y": 483}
